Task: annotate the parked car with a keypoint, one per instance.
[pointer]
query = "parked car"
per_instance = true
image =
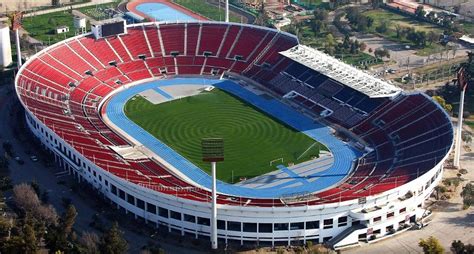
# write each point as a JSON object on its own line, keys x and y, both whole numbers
{"x": 33, "y": 158}
{"x": 19, "y": 160}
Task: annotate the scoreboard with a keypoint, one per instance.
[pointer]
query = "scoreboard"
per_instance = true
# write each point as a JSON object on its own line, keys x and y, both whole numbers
{"x": 109, "y": 27}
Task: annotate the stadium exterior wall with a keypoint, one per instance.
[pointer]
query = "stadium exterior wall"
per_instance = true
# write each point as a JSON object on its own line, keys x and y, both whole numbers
{"x": 287, "y": 224}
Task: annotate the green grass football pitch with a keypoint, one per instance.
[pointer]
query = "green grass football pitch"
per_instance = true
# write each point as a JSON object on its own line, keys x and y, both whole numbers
{"x": 251, "y": 138}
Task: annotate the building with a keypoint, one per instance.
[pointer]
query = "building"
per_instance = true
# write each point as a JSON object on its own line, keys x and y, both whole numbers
{"x": 381, "y": 174}
{"x": 5, "y": 46}
{"x": 62, "y": 29}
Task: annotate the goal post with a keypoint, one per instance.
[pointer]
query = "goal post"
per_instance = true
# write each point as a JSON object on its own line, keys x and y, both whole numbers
{"x": 276, "y": 160}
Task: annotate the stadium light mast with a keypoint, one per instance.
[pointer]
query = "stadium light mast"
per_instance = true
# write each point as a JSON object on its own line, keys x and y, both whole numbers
{"x": 15, "y": 26}
{"x": 213, "y": 151}
{"x": 226, "y": 10}
{"x": 462, "y": 83}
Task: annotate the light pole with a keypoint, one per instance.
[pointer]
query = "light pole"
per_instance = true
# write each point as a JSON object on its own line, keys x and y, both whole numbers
{"x": 226, "y": 10}
{"x": 213, "y": 151}
{"x": 462, "y": 83}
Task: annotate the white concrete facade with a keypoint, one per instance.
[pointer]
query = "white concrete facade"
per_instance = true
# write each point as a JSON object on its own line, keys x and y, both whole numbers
{"x": 5, "y": 46}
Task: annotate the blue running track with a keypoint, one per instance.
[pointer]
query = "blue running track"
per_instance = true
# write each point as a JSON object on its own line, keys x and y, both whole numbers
{"x": 344, "y": 155}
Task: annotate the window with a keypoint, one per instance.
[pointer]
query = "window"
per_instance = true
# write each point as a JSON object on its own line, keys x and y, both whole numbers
{"x": 140, "y": 204}
{"x": 113, "y": 189}
{"x": 265, "y": 228}
{"x": 342, "y": 221}
{"x": 325, "y": 239}
{"x": 130, "y": 199}
{"x": 250, "y": 227}
{"x": 220, "y": 224}
{"x": 296, "y": 226}
{"x": 204, "y": 221}
{"x": 327, "y": 223}
{"x": 151, "y": 208}
{"x": 121, "y": 194}
{"x": 377, "y": 219}
{"x": 280, "y": 226}
{"x": 312, "y": 224}
{"x": 189, "y": 218}
{"x": 175, "y": 215}
{"x": 402, "y": 210}
{"x": 390, "y": 215}
{"x": 163, "y": 212}
{"x": 233, "y": 226}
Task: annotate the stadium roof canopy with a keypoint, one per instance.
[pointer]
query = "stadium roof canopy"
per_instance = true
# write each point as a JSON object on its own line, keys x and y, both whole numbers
{"x": 344, "y": 73}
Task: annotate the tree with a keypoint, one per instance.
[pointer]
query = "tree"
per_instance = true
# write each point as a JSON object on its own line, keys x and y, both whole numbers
{"x": 370, "y": 22}
{"x": 376, "y": 3}
{"x": 320, "y": 14}
{"x": 466, "y": 137}
{"x": 431, "y": 16}
{"x": 398, "y": 30}
{"x": 5, "y": 225}
{"x": 31, "y": 245}
{"x": 90, "y": 242}
{"x": 52, "y": 21}
{"x": 25, "y": 197}
{"x": 440, "y": 189}
{"x": 381, "y": 53}
{"x": 467, "y": 195}
{"x": 14, "y": 245}
{"x": 382, "y": 28}
{"x": 317, "y": 26}
{"x": 420, "y": 11}
{"x": 431, "y": 245}
{"x": 69, "y": 219}
{"x": 469, "y": 65}
{"x": 458, "y": 247}
{"x": 442, "y": 102}
{"x": 432, "y": 37}
{"x": 330, "y": 44}
{"x": 112, "y": 241}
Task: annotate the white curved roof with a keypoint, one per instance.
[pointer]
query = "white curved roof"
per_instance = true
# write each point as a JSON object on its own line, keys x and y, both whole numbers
{"x": 342, "y": 72}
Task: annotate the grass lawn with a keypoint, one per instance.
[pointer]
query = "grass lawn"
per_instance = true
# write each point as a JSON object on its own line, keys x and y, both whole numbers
{"x": 209, "y": 11}
{"x": 470, "y": 123}
{"x": 311, "y": 4}
{"x": 251, "y": 138}
{"x": 468, "y": 27}
{"x": 361, "y": 59}
{"x": 96, "y": 11}
{"x": 381, "y": 15}
{"x": 42, "y": 27}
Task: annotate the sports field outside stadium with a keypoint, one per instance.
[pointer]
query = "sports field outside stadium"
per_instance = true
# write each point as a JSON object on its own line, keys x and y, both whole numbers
{"x": 252, "y": 138}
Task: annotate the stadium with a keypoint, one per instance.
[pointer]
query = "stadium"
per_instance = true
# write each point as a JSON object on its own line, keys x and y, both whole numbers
{"x": 315, "y": 149}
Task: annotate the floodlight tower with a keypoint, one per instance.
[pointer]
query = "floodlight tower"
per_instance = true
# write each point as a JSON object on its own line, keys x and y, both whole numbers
{"x": 213, "y": 151}
{"x": 226, "y": 10}
{"x": 15, "y": 26}
{"x": 462, "y": 83}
